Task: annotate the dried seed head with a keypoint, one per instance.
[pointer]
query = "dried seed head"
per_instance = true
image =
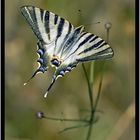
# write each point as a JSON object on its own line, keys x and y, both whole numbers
{"x": 108, "y": 25}
{"x": 40, "y": 115}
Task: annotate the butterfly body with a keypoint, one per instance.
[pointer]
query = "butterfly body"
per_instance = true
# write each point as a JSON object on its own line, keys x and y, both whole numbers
{"x": 60, "y": 45}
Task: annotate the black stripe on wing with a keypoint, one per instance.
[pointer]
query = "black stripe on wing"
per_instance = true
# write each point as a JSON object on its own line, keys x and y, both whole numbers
{"x": 93, "y": 39}
{"x": 41, "y": 14}
{"x": 55, "y": 19}
{"x": 68, "y": 33}
{"x": 29, "y": 13}
{"x": 47, "y": 27}
{"x": 59, "y": 32}
{"x": 83, "y": 34}
{"x": 104, "y": 54}
{"x": 65, "y": 39}
{"x": 72, "y": 40}
{"x": 60, "y": 27}
{"x": 70, "y": 27}
{"x": 95, "y": 46}
{"x": 86, "y": 40}
{"x": 82, "y": 43}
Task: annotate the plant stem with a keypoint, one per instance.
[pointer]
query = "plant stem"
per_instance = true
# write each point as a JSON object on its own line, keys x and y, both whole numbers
{"x": 91, "y": 73}
{"x": 89, "y": 87}
{"x": 91, "y": 98}
{"x": 91, "y": 104}
{"x": 63, "y": 119}
{"x": 107, "y": 38}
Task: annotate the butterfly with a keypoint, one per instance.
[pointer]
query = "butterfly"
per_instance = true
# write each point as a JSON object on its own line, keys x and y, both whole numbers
{"x": 60, "y": 44}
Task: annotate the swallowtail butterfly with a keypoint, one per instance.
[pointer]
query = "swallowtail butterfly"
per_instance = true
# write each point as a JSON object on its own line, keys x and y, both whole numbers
{"x": 60, "y": 45}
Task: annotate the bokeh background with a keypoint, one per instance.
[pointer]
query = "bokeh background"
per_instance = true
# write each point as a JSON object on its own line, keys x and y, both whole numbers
{"x": 69, "y": 96}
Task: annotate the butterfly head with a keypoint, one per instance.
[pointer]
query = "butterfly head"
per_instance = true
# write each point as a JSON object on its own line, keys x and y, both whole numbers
{"x": 55, "y": 61}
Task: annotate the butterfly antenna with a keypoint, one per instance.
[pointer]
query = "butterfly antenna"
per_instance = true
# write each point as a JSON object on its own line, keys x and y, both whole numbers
{"x": 31, "y": 77}
{"x": 50, "y": 86}
{"x": 92, "y": 23}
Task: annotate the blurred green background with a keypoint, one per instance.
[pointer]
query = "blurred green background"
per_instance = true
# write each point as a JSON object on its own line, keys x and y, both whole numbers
{"x": 69, "y": 96}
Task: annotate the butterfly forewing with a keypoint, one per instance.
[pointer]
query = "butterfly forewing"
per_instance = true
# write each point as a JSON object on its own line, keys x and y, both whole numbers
{"x": 95, "y": 48}
{"x": 60, "y": 44}
{"x": 47, "y": 26}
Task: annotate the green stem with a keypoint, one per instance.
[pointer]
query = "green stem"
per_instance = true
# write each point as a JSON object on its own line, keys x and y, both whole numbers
{"x": 89, "y": 87}
{"x": 91, "y": 73}
{"x": 93, "y": 107}
{"x": 91, "y": 97}
{"x": 63, "y": 119}
{"x": 94, "y": 110}
{"x": 91, "y": 104}
{"x": 107, "y": 38}
{"x": 99, "y": 91}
